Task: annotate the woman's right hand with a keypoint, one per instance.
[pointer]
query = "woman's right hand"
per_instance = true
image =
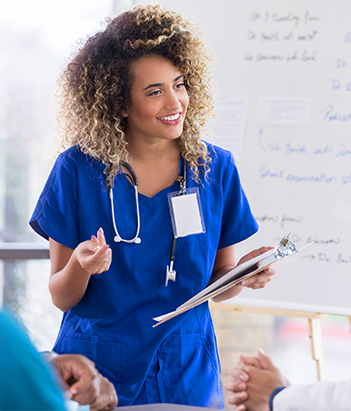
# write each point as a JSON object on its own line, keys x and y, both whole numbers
{"x": 94, "y": 255}
{"x": 71, "y": 269}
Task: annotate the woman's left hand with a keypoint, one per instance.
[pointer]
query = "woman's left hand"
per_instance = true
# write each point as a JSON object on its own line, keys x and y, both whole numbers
{"x": 261, "y": 279}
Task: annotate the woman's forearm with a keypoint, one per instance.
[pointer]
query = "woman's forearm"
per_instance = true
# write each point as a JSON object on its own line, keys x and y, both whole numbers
{"x": 71, "y": 269}
{"x": 68, "y": 285}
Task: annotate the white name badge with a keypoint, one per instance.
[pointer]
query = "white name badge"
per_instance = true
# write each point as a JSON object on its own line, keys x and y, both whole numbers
{"x": 186, "y": 212}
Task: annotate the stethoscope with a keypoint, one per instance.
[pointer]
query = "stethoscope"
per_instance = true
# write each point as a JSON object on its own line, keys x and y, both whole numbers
{"x": 132, "y": 176}
{"x": 170, "y": 273}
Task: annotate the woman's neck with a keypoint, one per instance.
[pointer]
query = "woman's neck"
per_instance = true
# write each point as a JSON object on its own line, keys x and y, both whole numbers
{"x": 148, "y": 153}
{"x": 156, "y": 166}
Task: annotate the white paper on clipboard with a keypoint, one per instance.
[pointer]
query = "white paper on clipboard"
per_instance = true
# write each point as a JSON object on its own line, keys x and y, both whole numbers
{"x": 240, "y": 272}
{"x": 284, "y": 249}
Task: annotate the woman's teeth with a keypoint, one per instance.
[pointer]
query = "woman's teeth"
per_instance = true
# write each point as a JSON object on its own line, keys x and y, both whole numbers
{"x": 170, "y": 118}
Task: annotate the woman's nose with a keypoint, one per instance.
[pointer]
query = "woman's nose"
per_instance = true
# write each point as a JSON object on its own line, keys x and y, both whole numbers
{"x": 172, "y": 101}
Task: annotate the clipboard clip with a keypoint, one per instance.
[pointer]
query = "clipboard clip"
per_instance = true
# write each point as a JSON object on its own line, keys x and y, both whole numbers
{"x": 284, "y": 248}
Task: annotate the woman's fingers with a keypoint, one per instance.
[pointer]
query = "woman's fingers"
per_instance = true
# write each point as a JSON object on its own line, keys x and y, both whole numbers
{"x": 102, "y": 259}
{"x": 97, "y": 255}
{"x": 101, "y": 237}
{"x": 253, "y": 254}
{"x": 260, "y": 280}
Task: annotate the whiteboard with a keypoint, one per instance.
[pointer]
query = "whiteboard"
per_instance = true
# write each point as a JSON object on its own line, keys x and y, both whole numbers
{"x": 283, "y": 71}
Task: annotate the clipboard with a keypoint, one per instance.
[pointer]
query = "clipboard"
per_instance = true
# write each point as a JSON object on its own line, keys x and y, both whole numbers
{"x": 283, "y": 250}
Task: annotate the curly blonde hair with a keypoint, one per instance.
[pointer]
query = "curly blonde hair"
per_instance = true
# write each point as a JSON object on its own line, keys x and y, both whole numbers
{"x": 95, "y": 85}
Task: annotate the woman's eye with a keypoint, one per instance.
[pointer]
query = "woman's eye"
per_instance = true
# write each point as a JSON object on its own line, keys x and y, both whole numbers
{"x": 154, "y": 93}
{"x": 180, "y": 85}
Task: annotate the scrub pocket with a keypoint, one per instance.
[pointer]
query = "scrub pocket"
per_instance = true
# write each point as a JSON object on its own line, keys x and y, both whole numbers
{"x": 189, "y": 372}
{"x": 104, "y": 351}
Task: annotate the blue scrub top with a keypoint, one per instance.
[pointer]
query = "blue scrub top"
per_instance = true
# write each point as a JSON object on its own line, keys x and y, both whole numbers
{"x": 176, "y": 362}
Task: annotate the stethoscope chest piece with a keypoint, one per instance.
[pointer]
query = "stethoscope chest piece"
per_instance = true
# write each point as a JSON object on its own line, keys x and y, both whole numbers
{"x": 118, "y": 239}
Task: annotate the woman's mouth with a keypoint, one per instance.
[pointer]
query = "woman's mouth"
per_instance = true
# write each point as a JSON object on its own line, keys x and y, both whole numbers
{"x": 174, "y": 118}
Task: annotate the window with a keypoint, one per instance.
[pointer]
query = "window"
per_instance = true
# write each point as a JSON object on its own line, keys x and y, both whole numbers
{"x": 36, "y": 39}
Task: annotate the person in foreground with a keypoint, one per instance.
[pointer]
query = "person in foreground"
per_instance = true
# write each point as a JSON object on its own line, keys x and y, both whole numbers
{"x": 255, "y": 384}
{"x": 136, "y": 98}
{"x": 27, "y": 383}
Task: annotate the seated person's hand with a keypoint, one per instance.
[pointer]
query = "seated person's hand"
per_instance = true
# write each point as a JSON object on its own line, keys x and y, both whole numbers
{"x": 84, "y": 384}
{"x": 252, "y": 382}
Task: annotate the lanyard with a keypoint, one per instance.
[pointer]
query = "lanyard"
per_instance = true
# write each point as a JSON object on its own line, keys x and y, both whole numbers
{"x": 170, "y": 272}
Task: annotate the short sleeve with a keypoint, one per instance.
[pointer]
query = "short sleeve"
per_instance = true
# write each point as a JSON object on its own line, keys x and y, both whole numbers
{"x": 238, "y": 222}
{"x": 55, "y": 214}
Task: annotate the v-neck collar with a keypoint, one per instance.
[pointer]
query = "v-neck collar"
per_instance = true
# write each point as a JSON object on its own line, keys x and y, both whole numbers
{"x": 155, "y": 199}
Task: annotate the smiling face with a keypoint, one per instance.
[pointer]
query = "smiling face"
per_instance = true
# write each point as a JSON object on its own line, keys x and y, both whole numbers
{"x": 159, "y": 100}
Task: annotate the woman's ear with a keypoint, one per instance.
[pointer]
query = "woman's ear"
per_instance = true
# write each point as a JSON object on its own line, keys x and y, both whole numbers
{"x": 124, "y": 113}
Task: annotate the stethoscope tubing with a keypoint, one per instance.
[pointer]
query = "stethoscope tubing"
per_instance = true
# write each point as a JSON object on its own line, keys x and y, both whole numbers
{"x": 136, "y": 239}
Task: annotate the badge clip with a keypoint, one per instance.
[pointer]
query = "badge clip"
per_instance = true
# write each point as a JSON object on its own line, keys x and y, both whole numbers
{"x": 171, "y": 274}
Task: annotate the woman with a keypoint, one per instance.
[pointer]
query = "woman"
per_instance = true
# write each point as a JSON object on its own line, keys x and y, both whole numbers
{"x": 136, "y": 98}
